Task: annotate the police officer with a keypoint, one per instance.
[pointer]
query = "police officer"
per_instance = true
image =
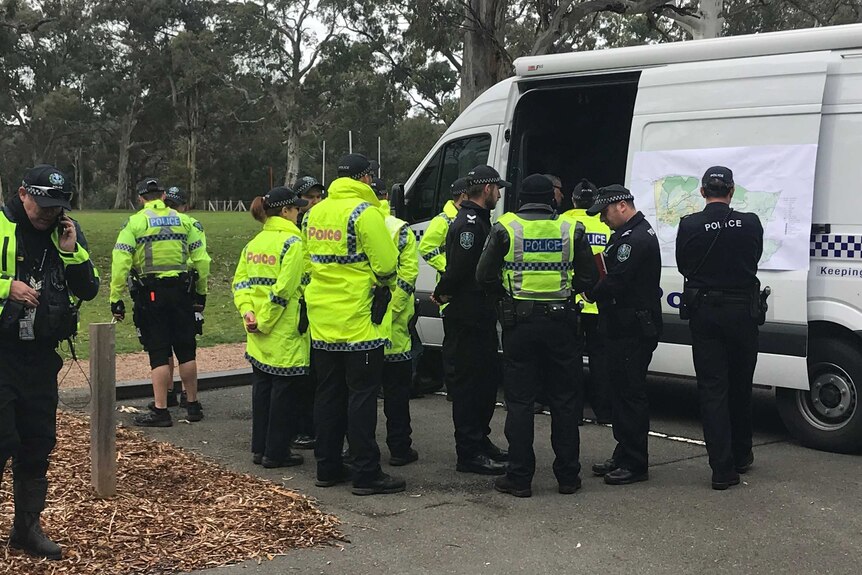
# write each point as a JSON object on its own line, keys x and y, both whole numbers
{"x": 470, "y": 325}
{"x": 597, "y": 235}
{"x": 45, "y": 265}
{"x": 432, "y": 248}
{"x": 175, "y": 199}
{"x": 156, "y": 248}
{"x": 717, "y": 251}
{"x": 353, "y": 269}
{"x": 312, "y": 191}
{"x": 536, "y": 251}
{"x": 267, "y": 291}
{"x": 397, "y": 359}
{"x": 629, "y": 301}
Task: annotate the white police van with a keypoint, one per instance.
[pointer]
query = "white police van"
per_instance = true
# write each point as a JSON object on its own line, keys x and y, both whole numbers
{"x": 590, "y": 114}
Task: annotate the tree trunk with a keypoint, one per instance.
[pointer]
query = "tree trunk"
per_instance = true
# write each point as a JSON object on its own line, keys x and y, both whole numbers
{"x": 79, "y": 177}
{"x": 291, "y": 166}
{"x": 711, "y": 20}
{"x": 485, "y": 62}
{"x": 127, "y": 126}
{"x": 193, "y": 113}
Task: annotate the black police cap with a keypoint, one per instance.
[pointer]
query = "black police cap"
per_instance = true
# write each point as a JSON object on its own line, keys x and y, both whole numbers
{"x": 148, "y": 185}
{"x": 585, "y": 191}
{"x": 486, "y": 175}
{"x": 305, "y": 184}
{"x": 175, "y": 195}
{"x": 48, "y": 187}
{"x": 379, "y": 186}
{"x": 460, "y": 186}
{"x": 355, "y": 166}
{"x": 717, "y": 177}
{"x": 283, "y": 196}
{"x": 610, "y": 195}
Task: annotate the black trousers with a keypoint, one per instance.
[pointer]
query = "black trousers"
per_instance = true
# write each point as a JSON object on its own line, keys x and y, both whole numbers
{"x": 724, "y": 343}
{"x": 346, "y": 401}
{"x": 28, "y": 407}
{"x": 471, "y": 347}
{"x": 305, "y": 403}
{"x": 627, "y": 370}
{"x": 595, "y": 386}
{"x": 542, "y": 353}
{"x": 273, "y": 413}
{"x": 397, "y": 379}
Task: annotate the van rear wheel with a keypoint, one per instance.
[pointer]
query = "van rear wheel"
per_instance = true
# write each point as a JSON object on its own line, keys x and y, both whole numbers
{"x": 828, "y": 416}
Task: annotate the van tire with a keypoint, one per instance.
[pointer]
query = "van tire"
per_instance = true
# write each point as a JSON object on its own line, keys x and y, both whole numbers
{"x": 828, "y": 416}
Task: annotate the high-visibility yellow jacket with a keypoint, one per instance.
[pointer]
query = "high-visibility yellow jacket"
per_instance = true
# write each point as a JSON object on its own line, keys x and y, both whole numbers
{"x": 432, "y": 246}
{"x": 597, "y": 235}
{"x": 538, "y": 265}
{"x": 401, "y": 308}
{"x": 9, "y": 257}
{"x": 351, "y": 252}
{"x": 160, "y": 242}
{"x": 268, "y": 282}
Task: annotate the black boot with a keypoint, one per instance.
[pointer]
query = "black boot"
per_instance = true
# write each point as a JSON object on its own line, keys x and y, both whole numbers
{"x": 27, "y": 532}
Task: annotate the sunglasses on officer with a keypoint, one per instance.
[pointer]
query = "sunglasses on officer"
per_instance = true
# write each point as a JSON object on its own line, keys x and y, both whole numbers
{"x": 48, "y": 196}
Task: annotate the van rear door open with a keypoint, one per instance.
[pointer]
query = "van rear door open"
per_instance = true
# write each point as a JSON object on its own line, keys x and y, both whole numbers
{"x": 752, "y": 102}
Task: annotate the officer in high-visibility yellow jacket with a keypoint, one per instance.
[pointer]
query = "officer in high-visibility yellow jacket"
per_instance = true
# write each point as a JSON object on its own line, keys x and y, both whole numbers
{"x": 397, "y": 359}
{"x": 432, "y": 246}
{"x": 597, "y": 234}
{"x": 44, "y": 268}
{"x": 353, "y": 270}
{"x": 267, "y": 292}
{"x": 528, "y": 261}
{"x": 155, "y": 250}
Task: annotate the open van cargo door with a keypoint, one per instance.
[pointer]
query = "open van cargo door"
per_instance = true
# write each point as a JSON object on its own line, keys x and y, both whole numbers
{"x": 691, "y": 116}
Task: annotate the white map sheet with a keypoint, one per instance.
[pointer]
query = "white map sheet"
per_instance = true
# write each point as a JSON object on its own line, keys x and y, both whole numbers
{"x": 775, "y": 182}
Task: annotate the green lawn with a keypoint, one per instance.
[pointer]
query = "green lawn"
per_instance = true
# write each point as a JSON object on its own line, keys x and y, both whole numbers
{"x": 227, "y": 233}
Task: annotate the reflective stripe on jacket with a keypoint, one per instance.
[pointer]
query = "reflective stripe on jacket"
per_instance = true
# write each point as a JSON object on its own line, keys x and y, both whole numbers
{"x": 401, "y": 308}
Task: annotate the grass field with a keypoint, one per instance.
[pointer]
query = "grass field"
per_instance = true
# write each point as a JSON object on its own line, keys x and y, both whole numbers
{"x": 227, "y": 233}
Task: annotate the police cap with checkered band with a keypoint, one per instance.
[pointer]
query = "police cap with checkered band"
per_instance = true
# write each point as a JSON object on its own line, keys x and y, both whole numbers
{"x": 610, "y": 195}
{"x": 48, "y": 187}
{"x": 281, "y": 197}
{"x": 481, "y": 175}
{"x": 355, "y": 166}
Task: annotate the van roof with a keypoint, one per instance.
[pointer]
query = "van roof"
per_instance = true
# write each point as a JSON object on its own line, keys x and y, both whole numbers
{"x": 789, "y": 41}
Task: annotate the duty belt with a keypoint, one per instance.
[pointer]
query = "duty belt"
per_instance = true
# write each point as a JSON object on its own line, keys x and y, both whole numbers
{"x": 718, "y": 297}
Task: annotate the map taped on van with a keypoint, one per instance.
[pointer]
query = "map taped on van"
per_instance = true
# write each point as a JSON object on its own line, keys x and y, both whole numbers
{"x": 774, "y": 182}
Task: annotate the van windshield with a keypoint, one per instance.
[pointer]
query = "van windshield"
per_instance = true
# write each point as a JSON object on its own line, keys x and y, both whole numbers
{"x": 573, "y": 128}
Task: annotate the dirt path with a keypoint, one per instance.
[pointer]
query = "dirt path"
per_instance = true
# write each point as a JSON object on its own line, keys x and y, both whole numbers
{"x": 137, "y": 366}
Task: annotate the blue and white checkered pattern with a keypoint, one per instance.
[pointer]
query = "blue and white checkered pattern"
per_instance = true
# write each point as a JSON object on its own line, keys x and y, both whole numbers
{"x": 357, "y": 346}
{"x": 161, "y": 238}
{"x": 836, "y": 247}
{"x": 124, "y": 248}
{"x": 273, "y": 370}
{"x": 256, "y": 281}
{"x": 402, "y": 238}
{"x": 536, "y": 266}
{"x": 306, "y": 279}
{"x": 290, "y": 241}
{"x": 351, "y": 226}
{"x": 405, "y": 286}
{"x": 351, "y": 259}
{"x": 433, "y": 253}
{"x": 195, "y": 245}
{"x": 277, "y": 300}
{"x": 394, "y": 357}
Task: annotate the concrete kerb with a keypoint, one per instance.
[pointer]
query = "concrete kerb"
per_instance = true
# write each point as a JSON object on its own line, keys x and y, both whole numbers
{"x": 143, "y": 388}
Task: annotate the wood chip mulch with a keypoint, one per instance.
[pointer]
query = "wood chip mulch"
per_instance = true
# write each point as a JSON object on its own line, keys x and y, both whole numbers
{"x": 175, "y": 512}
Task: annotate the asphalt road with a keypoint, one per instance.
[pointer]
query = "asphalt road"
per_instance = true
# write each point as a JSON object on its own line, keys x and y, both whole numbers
{"x": 797, "y": 511}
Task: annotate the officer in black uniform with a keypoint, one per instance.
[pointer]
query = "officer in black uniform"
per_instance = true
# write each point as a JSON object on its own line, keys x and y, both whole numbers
{"x": 44, "y": 262}
{"x": 541, "y": 348}
{"x": 717, "y": 251}
{"x": 629, "y": 300}
{"x": 470, "y": 323}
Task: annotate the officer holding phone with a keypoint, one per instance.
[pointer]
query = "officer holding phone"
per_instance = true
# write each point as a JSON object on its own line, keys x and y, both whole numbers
{"x": 46, "y": 271}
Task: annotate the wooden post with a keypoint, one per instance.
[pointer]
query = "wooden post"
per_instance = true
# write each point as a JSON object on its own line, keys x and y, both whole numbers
{"x": 103, "y": 425}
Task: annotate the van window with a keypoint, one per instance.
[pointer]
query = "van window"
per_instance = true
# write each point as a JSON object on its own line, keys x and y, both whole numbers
{"x": 431, "y": 190}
